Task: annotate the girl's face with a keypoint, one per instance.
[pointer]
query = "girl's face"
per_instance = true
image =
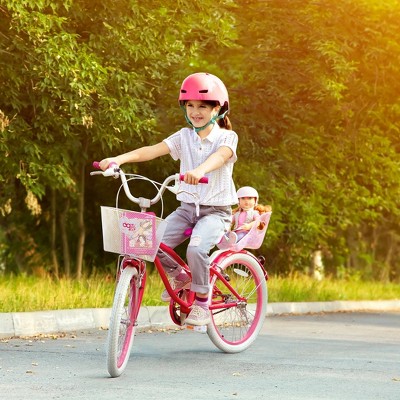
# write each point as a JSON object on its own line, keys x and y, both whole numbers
{"x": 199, "y": 112}
{"x": 247, "y": 203}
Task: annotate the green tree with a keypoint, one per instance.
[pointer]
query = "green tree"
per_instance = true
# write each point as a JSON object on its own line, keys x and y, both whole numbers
{"x": 317, "y": 96}
{"x": 314, "y": 91}
{"x": 81, "y": 79}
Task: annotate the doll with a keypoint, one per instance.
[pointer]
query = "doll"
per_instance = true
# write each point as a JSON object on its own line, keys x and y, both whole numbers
{"x": 246, "y": 214}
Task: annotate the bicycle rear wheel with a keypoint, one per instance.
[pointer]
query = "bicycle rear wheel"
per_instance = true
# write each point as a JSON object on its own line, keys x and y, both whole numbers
{"x": 238, "y": 313}
{"x": 126, "y": 305}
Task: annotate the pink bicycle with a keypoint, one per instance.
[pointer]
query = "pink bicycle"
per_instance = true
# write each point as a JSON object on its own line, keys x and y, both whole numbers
{"x": 238, "y": 290}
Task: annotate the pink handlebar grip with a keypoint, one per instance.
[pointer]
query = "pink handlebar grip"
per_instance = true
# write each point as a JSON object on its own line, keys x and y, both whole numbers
{"x": 96, "y": 164}
{"x": 204, "y": 179}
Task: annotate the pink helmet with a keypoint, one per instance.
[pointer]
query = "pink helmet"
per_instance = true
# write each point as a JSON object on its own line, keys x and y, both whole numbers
{"x": 206, "y": 87}
{"x": 247, "y": 191}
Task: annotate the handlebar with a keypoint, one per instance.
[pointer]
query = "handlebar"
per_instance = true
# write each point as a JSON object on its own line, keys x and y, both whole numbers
{"x": 115, "y": 171}
{"x": 203, "y": 179}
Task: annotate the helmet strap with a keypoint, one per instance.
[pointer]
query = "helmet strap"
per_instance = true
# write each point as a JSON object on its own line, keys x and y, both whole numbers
{"x": 211, "y": 121}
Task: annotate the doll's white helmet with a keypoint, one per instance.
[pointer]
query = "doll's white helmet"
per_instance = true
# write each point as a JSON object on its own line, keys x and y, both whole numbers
{"x": 247, "y": 191}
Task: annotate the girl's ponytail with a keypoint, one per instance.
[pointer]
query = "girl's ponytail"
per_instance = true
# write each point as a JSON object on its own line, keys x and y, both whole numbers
{"x": 225, "y": 123}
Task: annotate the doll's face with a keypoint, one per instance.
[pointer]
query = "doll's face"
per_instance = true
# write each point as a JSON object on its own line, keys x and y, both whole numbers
{"x": 247, "y": 203}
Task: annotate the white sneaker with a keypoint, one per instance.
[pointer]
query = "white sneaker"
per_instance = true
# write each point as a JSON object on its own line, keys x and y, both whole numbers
{"x": 176, "y": 285}
{"x": 198, "y": 316}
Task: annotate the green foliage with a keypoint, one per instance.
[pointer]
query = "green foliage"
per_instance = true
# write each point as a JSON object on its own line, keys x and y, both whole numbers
{"x": 318, "y": 90}
{"x": 314, "y": 91}
{"x": 79, "y": 80}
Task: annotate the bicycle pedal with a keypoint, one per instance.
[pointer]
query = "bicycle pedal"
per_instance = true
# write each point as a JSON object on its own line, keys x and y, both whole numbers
{"x": 196, "y": 328}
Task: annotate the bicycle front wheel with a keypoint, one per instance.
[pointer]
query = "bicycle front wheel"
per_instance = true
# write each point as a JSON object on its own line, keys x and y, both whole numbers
{"x": 127, "y": 299}
{"x": 238, "y": 305}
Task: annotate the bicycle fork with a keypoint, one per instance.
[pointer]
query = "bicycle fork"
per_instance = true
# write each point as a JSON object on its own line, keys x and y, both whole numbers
{"x": 139, "y": 280}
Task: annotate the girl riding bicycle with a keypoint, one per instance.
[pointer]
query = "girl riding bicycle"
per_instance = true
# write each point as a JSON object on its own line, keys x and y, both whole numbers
{"x": 207, "y": 148}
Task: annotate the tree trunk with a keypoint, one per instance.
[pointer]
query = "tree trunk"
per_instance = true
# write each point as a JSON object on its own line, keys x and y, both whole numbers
{"x": 318, "y": 268}
{"x": 385, "y": 271}
{"x": 53, "y": 234}
{"x": 353, "y": 246}
{"x": 64, "y": 240}
{"x": 81, "y": 225}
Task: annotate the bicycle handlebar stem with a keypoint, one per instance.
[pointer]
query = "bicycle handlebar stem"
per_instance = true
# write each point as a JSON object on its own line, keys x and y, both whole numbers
{"x": 145, "y": 203}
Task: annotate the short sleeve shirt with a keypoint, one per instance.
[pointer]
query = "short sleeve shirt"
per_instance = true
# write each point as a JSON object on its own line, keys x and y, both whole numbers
{"x": 186, "y": 146}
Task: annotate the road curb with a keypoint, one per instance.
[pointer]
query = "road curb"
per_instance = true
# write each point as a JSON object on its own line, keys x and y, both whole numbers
{"x": 56, "y": 321}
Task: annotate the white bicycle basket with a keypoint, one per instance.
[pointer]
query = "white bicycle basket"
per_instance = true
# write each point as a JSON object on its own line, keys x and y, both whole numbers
{"x": 131, "y": 233}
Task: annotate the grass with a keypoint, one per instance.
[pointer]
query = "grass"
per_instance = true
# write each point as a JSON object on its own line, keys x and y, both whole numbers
{"x": 22, "y": 293}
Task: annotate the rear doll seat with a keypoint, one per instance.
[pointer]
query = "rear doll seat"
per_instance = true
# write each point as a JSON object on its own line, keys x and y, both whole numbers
{"x": 255, "y": 237}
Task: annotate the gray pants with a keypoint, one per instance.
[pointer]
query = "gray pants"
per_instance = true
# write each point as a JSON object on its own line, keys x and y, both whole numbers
{"x": 208, "y": 229}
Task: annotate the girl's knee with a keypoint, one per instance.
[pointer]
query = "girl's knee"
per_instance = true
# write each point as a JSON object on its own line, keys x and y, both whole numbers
{"x": 195, "y": 252}
{"x": 192, "y": 251}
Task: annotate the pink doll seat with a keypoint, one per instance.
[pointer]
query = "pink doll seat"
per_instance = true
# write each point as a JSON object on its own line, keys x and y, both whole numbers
{"x": 253, "y": 240}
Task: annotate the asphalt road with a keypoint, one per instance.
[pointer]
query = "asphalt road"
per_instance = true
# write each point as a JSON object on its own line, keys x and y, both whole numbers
{"x": 338, "y": 356}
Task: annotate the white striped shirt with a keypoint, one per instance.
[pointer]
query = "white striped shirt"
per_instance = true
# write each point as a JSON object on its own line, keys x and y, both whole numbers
{"x": 186, "y": 146}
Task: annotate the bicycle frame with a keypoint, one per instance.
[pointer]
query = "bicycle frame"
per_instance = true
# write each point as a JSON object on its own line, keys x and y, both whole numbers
{"x": 214, "y": 270}
{"x": 170, "y": 252}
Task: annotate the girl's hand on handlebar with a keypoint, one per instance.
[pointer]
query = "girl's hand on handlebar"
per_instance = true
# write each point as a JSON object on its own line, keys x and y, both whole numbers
{"x": 107, "y": 163}
{"x": 193, "y": 177}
